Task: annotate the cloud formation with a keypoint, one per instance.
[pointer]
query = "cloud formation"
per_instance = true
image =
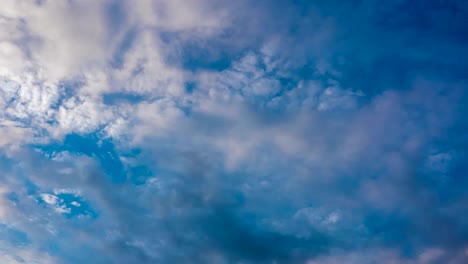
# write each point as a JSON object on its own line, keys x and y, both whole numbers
{"x": 233, "y": 132}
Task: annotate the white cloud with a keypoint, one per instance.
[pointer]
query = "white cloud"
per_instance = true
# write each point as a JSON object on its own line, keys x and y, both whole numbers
{"x": 390, "y": 256}
{"x": 67, "y": 191}
{"x": 14, "y": 134}
{"x": 156, "y": 119}
{"x": 3, "y": 202}
{"x": 50, "y": 199}
{"x": 10, "y": 254}
{"x": 65, "y": 45}
{"x": 321, "y": 218}
{"x": 56, "y": 203}
{"x": 45, "y": 46}
{"x": 335, "y": 97}
{"x": 439, "y": 162}
{"x": 82, "y": 116}
{"x": 144, "y": 70}
{"x": 178, "y": 14}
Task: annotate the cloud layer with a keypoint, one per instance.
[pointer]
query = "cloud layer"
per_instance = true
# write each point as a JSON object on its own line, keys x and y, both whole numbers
{"x": 233, "y": 132}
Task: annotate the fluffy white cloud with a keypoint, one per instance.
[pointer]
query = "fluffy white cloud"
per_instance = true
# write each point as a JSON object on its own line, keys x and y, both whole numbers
{"x": 46, "y": 47}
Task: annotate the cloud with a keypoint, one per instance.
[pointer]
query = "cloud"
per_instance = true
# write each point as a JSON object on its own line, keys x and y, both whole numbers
{"x": 23, "y": 256}
{"x": 433, "y": 255}
{"x": 232, "y": 132}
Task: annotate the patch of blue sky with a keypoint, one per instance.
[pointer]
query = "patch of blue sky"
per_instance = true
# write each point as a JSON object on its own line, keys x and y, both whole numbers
{"x": 198, "y": 56}
{"x": 115, "y": 16}
{"x": 116, "y": 98}
{"x": 89, "y": 145}
{"x": 124, "y": 46}
{"x": 13, "y": 236}
{"x": 70, "y": 205}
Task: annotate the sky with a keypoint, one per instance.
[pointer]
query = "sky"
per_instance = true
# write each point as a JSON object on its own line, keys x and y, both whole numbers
{"x": 218, "y": 131}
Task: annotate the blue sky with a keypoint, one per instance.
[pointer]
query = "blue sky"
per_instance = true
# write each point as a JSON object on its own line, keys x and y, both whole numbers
{"x": 203, "y": 131}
